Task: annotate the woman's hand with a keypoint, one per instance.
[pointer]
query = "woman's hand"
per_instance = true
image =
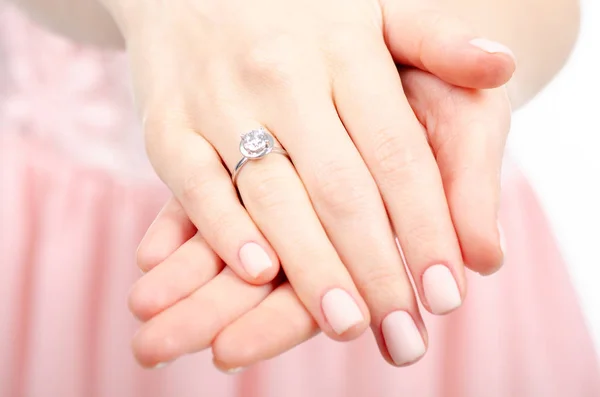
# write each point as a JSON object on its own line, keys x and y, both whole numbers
{"x": 318, "y": 74}
{"x": 189, "y": 303}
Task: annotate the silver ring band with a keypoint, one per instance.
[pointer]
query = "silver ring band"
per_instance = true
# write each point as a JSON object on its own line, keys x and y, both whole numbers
{"x": 254, "y": 145}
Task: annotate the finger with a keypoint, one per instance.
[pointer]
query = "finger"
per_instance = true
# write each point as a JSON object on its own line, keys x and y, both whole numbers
{"x": 429, "y": 38}
{"x": 190, "y": 267}
{"x": 194, "y": 173}
{"x": 191, "y": 324}
{"x": 390, "y": 138}
{"x": 276, "y": 325}
{"x": 278, "y": 202}
{"x": 171, "y": 229}
{"x": 468, "y": 131}
{"x": 351, "y": 209}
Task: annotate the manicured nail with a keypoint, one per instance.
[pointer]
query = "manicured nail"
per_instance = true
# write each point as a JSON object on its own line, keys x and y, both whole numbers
{"x": 228, "y": 371}
{"x": 341, "y": 312}
{"x": 402, "y": 338}
{"x": 255, "y": 259}
{"x": 160, "y": 365}
{"x": 492, "y": 47}
{"x": 502, "y": 239}
{"x": 440, "y": 289}
{"x": 231, "y": 371}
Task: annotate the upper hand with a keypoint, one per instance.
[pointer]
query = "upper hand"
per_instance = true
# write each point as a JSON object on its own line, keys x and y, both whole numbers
{"x": 467, "y": 130}
{"x": 319, "y": 75}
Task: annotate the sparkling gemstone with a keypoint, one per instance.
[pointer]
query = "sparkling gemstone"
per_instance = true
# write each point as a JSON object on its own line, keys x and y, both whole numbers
{"x": 255, "y": 141}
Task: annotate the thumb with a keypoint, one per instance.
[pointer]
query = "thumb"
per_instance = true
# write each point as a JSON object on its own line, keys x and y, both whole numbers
{"x": 421, "y": 35}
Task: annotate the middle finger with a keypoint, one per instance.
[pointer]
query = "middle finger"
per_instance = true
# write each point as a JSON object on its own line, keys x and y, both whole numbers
{"x": 351, "y": 209}
{"x": 347, "y": 201}
{"x": 278, "y": 203}
{"x": 374, "y": 109}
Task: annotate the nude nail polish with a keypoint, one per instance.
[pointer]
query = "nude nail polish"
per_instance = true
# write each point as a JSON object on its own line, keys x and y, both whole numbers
{"x": 492, "y": 47}
{"x": 231, "y": 371}
{"x": 502, "y": 239}
{"x": 402, "y": 338}
{"x": 255, "y": 259}
{"x": 441, "y": 290}
{"x": 341, "y": 311}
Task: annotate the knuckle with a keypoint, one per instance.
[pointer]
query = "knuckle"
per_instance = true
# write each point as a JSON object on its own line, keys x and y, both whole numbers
{"x": 490, "y": 104}
{"x": 216, "y": 217}
{"x": 197, "y": 187}
{"x": 146, "y": 348}
{"x": 140, "y": 303}
{"x": 346, "y": 42}
{"x": 422, "y": 235}
{"x": 342, "y": 190}
{"x": 267, "y": 191}
{"x": 159, "y": 119}
{"x": 342, "y": 45}
{"x": 214, "y": 318}
{"x": 154, "y": 140}
{"x": 379, "y": 277}
{"x": 222, "y": 225}
{"x": 228, "y": 347}
{"x": 146, "y": 256}
{"x": 270, "y": 61}
{"x": 159, "y": 123}
{"x": 395, "y": 159}
{"x": 437, "y": 24}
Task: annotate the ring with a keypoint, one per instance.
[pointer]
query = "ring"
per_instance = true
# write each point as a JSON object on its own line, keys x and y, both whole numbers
{"x": 255, "y": 145}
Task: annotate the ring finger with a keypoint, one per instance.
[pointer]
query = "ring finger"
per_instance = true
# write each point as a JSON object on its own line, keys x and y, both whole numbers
{"x": 277, "y": 200}
{"x": 191, "y": 168}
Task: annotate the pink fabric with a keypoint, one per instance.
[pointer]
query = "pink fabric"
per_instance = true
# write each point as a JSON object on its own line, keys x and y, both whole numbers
{"x": 69, "y": 228}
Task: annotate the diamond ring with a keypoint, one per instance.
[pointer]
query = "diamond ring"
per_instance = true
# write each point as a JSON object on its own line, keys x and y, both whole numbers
{"x": 255, "y": 145}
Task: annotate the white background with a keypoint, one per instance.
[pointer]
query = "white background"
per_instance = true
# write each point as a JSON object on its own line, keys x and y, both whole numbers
{"x": 556, "y": 139}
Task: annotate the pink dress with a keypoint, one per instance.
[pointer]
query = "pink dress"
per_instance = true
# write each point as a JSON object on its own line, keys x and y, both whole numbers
{"x": 77, "y": 195}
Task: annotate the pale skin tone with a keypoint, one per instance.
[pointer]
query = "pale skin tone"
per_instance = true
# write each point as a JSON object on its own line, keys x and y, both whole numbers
{"x": 195, "y": 306}
{"x": 363, "y": 170}
{"x": 262, "y": 330}
{"x": 387, "y": 165}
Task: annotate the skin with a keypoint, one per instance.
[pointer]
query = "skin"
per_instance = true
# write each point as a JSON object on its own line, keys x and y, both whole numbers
{"x": 332, "y": 217}
{"x": 511, "y": 23}
{"x": 268, "y": 320}
{"x": 441, "y": 205}
{"x": 280, "y": 321}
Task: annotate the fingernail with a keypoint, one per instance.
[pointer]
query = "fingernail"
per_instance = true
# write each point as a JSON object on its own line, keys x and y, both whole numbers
{"x": 160, "y": 365}
{"x": 440, "y": 289}
{"x": 492, "y": 47}
{"x": 255, "y": 259}
{"x": 502, "y": 239}
{"x": 231, "y": 371}
{"x": 402, "y": 338}
{"x": 341, "y": 312}
{"x": 493, "y": 270}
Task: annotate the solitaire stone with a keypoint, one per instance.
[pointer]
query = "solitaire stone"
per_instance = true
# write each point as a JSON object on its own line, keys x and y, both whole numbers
{"x": 255, "y": 143}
